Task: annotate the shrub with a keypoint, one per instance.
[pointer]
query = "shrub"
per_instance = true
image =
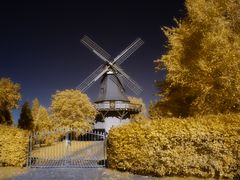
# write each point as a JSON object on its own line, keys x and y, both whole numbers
{"x": 206, "y": 146}
{"x": 13, "y": 146}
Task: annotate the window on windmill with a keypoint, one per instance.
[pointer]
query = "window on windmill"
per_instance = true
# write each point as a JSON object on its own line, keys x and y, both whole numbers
{"x": 102, "y": 90}
{"x": 107, "y": 104}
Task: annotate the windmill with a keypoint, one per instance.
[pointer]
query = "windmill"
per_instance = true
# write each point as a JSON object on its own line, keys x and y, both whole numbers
{"x": 112, "y": 100}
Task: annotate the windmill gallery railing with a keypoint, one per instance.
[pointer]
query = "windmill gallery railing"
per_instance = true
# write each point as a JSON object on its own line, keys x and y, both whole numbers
{"x": 67, "y": 148}
{"x": 115, "y": 105}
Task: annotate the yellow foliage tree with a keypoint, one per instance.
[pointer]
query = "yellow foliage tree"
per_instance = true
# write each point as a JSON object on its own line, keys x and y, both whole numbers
{"x": 41, "y": 118}
{"x": 138, "y": 101}
{"x": 9, "y": 94}
{"x": 155, "y": 110}
{"x": 72, "y": 109}
{"x": 203, "y": 61}
{"x": 42, "y": 121}
{"x": 35, "y": 108}
{"x": 9, "y": 98}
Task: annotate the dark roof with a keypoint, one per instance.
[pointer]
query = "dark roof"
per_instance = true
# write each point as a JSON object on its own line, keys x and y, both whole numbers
{"x": 111, "y": 89}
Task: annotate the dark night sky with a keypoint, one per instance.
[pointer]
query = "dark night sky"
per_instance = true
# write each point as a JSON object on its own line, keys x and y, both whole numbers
{"x": 40, "y": 42}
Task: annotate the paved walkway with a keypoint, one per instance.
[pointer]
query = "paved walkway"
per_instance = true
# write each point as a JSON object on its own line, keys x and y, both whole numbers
{"x": 72, "y": 174}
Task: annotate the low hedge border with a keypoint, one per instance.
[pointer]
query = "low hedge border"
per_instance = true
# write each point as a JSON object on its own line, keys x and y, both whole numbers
{"x": 13, "y": 146}
{"x": 206, "y": 146}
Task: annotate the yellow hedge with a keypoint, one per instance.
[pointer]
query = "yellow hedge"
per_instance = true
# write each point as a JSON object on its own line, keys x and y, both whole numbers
{"x": 13, "y": 146}
{"x": 203, "y": 146}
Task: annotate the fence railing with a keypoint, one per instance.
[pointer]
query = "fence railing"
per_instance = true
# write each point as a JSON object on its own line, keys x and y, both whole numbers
{"x": 115, "y": 105}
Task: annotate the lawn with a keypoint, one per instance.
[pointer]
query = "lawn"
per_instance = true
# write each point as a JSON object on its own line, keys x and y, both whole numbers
{"x": 77, "y": 151}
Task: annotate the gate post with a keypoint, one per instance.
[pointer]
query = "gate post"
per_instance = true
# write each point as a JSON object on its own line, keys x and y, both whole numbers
{"x": 67, "y": 141}
{"x": 105, "y": 149}
{"x": 29, "y": 159}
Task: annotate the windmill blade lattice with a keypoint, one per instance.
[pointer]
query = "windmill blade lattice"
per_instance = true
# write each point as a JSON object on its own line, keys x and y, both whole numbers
{"x": 92, "y": 78}
{"x": 128, "y": 51}
{"x": 95, "y": 48}
{"x": 111, "y": 66}
{"x": 128, "y": 81}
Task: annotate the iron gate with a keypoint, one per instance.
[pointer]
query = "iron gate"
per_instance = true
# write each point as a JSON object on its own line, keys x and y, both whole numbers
{"x": 67, "y": 148}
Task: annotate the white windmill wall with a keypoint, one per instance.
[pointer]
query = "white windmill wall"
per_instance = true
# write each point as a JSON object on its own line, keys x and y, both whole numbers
{"x": 110, "y": 122}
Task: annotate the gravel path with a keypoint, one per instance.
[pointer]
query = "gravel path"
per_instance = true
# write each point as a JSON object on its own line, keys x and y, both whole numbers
{"x": 70, "y": 174}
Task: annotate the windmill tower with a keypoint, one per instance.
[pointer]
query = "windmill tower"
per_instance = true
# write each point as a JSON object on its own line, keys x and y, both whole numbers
{"x": 112, "y": 103}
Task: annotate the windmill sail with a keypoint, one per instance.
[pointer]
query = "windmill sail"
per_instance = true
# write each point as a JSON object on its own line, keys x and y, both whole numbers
{"x": 95, "y": 48}
{"x": 111, "y": 71}
{"x": 128, "y": 51}
{"x": 92, "y": 78}
{"x": 128, "y": 81}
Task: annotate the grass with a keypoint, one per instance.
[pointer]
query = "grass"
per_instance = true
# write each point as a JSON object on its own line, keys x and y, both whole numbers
{"x": 77, "y": 149}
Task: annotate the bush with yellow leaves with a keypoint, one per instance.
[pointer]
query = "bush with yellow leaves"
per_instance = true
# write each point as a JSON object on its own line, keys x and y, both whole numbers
{"x": 207, "y": 146}
{"x": 13, "y": 146}
{"x": 142, "y": 114}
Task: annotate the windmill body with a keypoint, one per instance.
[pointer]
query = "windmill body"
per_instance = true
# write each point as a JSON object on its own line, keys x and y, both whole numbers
{"x": 112, "y": 104}
{"x": 111, "y": 89}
